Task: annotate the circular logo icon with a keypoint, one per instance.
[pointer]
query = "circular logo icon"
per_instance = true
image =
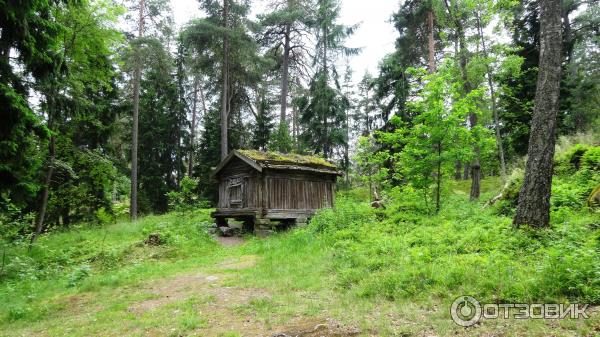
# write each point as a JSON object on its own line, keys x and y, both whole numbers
{"x": 465, "y": 311}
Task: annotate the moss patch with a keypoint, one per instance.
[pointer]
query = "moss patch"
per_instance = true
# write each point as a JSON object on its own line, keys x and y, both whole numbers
{"x": 286, "y": 158}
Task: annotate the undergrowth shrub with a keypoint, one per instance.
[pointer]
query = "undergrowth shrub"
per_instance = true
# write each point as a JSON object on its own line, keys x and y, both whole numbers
{"x": 88, "y": 257}
{"x": 463, "y": 250}
{"x": 590, "y": 160}
{"x": 577, "y": 173}
{"x": 348, "y": 214}
{"x": 570, "y": 160}
{"x": 104, "y": 248}
{"x": 186, "y": 199}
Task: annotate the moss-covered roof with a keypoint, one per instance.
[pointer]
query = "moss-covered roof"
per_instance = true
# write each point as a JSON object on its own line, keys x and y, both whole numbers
{"x": 285, "y": 158}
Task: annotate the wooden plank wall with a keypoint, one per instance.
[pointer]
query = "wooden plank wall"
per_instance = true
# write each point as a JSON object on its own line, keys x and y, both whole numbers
{"x": 234, "y": 171}
{"x": 275, "y": 189}
{"x": 296, "y": 190}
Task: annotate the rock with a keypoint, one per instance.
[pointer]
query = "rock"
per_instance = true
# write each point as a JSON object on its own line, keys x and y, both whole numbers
{"x": 154, "y": 239}
{"x": 226, "y": 231}
{"x": 214, "y": 225}
{"x": 593, "y": 200}
{"x": 263, "y": 232}
{"x": 213, "y": 231}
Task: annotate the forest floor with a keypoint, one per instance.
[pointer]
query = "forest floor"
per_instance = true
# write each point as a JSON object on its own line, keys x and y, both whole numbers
{"x": 106, "y": 281}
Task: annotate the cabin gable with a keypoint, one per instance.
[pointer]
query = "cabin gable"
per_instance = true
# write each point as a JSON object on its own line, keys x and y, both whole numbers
{"x": 238, "y": 185}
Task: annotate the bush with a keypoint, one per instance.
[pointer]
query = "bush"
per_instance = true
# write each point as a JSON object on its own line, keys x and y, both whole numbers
{"x": 347, "y": 215}
{"x": 570, "y": 160}
{"x": 80, "y": 273}
{"x": 464, "y": 250}
{"x": 186, "y": 198}
{"x": 510, "y": 194}
{"x": 590, "y": 160}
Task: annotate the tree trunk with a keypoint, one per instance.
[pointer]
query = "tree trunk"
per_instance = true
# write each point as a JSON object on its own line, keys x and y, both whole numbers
{"x": 457, "y": 170}
{"x": 493, "y": 103}
{"x": 193, "y": 128}
{"x": 534, "y": 197}
{"x": 137, "y": 76}
{"x": 224, "y": 98}
{"x": 568, "y": 38}
{"x": 475, "y": 165}
{"x": 295, "y": 127}
{"x": 39, "y": 221}
{"x": 326, "y": 148}
{"x": 367, "y": 123}
{"x": 431, "y": 42}
{"x": 285, "y": 74}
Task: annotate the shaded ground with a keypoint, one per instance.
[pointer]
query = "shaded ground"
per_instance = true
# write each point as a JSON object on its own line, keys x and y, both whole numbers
{"x": 230, "y": 241}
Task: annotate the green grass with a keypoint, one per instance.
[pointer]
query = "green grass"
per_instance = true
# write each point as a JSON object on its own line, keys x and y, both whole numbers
{"x": 391, "y": 272}
{"x": 84, "y": 260}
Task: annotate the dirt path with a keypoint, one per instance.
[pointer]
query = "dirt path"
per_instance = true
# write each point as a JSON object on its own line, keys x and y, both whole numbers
{"x": 226, "y": 307}
{"x": 230, "y": 241}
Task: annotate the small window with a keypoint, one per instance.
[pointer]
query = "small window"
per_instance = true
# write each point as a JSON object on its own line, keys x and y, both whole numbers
{"x": 236, "y": 192}
{"x": 235, "y": 196}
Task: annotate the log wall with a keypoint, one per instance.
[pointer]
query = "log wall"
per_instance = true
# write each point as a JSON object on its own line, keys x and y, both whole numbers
{"x": 242, "y": 187}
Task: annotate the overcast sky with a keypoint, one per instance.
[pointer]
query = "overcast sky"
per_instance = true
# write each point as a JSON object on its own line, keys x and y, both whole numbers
{"x": 376, "y": 35}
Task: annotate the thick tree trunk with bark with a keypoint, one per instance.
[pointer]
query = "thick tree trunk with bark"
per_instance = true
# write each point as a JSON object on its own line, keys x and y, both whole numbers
{"x": 431, "y": 41}
{"x": 224, "y": 98}
{"x": 326, "y": 147}
{"x": 285, "y": 74}
{"x": 137, "y": 77}
{"x": 534, "y": 197}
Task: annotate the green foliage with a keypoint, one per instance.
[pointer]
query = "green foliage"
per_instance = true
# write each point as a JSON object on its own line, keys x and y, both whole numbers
{"x": 87, "y": 258}
{"x": 186, "y": 199}
{"x": 78, "y": 275}
{"x": 591, "y": 159}
{"x": 14, "y": 222}
{"x": 406, "y": 254}
{"x": 29, "y": 34}
{"x": 371, "y": 162}
{"x": 281, "y": 140}
{"x": 323, "y": 111}
{"x": 576, "y": 176}
{"x": 286, "y": 158}
{"x": 324, "y": 108}
{"x": 425, "y": 151}
{"x": 570, "y": 161}
{"x": 510, "y": 193}
{"x": 86, "y": 187}
{"x": 162, "y": 117}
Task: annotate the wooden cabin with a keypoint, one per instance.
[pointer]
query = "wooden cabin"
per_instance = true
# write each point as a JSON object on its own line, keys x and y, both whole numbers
{"x": 264, "y": 188}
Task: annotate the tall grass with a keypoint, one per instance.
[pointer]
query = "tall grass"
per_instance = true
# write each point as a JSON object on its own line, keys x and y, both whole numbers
{"x": 90, "y": 258}
{"x": 465, "y": 250}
